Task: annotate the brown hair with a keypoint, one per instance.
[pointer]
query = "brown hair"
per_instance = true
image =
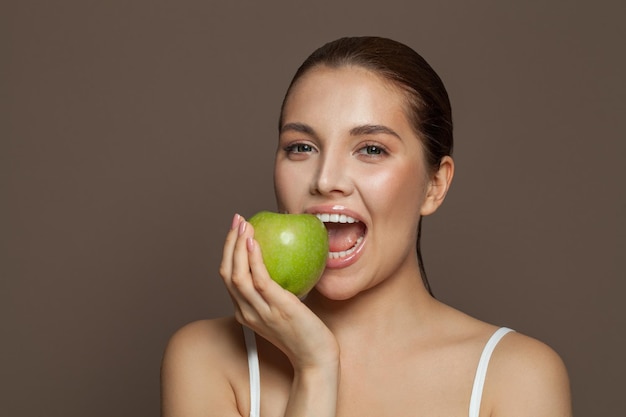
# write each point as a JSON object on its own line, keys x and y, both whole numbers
{"x": 428, "y": 109}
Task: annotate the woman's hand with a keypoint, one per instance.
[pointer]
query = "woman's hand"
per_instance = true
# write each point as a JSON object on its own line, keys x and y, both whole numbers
{"x": 268, "y": 309}
{"x": 280, "y": 317}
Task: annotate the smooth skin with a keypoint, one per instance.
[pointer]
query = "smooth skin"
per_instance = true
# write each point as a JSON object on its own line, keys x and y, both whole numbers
{"x": 368, "y": 340}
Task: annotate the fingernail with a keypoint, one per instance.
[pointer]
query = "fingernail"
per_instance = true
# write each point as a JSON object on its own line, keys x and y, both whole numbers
{"x": 242, "y": 227}
{"x": 250, "y": 244}
{"x": 236, "y": 221}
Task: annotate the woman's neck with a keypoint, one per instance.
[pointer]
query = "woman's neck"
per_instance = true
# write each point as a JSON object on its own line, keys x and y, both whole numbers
{"x": 392, "y": 305}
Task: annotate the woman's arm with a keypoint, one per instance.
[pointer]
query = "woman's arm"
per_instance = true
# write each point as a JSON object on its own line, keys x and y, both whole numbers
{"x": 194, "y": 382}
{"x": 314, "y": 392}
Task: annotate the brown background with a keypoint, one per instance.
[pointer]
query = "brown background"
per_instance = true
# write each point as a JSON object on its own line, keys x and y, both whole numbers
{"x": 131, "y": 131}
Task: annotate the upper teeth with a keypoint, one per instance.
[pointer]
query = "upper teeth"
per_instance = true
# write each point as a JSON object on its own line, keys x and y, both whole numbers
{"x": 335, "y": 218}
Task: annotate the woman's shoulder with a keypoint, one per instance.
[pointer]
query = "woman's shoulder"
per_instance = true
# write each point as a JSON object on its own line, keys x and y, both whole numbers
{"x": 215, "y": 343}
{"x": 526, "y": 377}
{"x": 204, "y": 365}
{"x": 208, "y": 334}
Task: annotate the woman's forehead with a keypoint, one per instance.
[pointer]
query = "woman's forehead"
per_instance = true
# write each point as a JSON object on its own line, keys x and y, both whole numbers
{"x": 344, "y": 92}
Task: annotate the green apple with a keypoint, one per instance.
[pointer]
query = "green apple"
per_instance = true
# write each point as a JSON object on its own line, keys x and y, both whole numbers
{"x": 294, "y": 248}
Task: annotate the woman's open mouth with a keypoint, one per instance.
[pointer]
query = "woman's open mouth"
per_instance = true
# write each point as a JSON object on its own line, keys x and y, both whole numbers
{"x": 345, "y": 238}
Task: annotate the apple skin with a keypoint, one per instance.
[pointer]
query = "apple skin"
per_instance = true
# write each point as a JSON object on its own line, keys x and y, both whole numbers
{"x": 294, "y": 248}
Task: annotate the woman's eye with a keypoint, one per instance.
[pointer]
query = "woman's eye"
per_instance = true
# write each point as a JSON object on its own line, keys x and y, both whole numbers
{"x": 373, "y": 150}
{"x": 299, "y": 148}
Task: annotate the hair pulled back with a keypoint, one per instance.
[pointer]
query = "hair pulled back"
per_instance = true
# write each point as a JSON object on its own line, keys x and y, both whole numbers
{"x": 428, "y": 106}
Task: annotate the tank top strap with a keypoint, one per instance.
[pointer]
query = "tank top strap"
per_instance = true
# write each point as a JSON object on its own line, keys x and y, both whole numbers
{"x": 481, "y": 371}
{"x": 253, "y": 369}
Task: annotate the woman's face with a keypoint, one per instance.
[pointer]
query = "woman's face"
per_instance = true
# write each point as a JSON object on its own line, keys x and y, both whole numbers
{"x": 347, "y": 152}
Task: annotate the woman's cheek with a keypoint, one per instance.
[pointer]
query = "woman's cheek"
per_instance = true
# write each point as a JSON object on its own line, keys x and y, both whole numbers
{"x": 400, "y": 190}
{"x": 289, "y": 183}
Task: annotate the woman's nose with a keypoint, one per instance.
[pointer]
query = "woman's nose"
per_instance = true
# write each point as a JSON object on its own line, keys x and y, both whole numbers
{"x": 332, "y": 177}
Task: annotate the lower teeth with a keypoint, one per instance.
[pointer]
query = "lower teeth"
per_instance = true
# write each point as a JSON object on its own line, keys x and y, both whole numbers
{"x": 337, "y": 255}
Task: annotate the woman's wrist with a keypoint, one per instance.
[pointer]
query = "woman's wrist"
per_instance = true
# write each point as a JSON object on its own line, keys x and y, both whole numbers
{"x": 314, "y": 390}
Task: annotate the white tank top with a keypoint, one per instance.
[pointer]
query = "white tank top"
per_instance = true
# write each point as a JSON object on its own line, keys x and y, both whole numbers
{"x": 477, "y": 389}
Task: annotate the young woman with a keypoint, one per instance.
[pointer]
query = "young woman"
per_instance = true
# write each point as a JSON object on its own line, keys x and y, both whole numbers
{"x": 365, "y": 134}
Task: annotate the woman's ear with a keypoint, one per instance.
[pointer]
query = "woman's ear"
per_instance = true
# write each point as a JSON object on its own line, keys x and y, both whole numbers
{"x": 438, "y": 186}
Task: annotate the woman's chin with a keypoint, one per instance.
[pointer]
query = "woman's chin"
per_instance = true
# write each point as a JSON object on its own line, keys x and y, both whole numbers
{"x": 335, "y": 288}
{"x": 339, "y": 280}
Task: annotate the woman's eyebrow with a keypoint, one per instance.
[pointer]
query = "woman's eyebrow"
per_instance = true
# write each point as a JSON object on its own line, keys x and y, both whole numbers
{"x": 355, "y": 131}
{"x": 297, "y": 127}
{"x": 373, "y": 130}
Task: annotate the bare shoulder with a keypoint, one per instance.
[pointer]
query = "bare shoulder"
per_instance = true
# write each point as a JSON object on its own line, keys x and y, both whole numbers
{"x": 205, "y": 338}
{"x": 203, "y": 366}
{"x": 526, "y": 378}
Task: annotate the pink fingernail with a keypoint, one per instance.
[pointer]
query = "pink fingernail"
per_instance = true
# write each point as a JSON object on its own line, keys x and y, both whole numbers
{"x": 250, "y": 244}
{"x": 236, "y": 221}
{"x": 242, "y": 227}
